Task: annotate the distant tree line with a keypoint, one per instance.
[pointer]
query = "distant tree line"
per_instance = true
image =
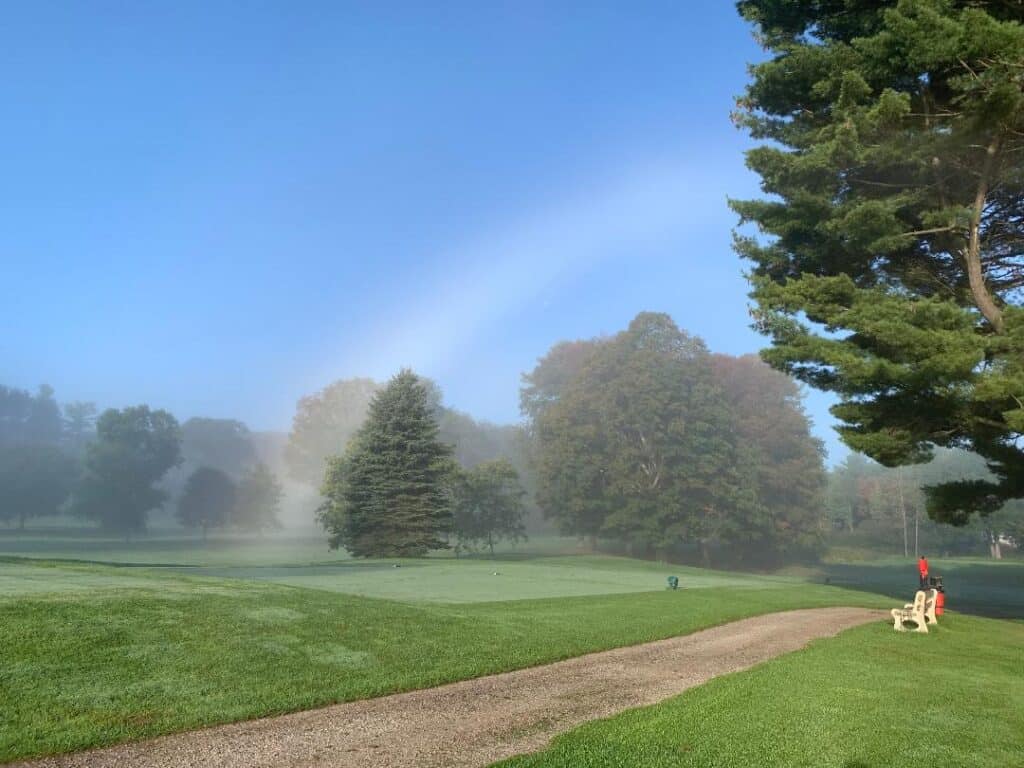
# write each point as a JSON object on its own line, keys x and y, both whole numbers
{"x": 116, "y": 468}
{"x": 212, "y": 499}
{"x": 885, "y": 508}
{"x": 644, "y": 437}
{"x": 40, "y": 451}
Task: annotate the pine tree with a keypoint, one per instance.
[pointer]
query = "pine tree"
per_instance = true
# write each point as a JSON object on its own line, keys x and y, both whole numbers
{"x": 389, "y": 494}
{"x": 892, "y": 267}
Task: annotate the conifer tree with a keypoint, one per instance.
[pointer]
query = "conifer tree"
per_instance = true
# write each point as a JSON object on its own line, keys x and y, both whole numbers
{"x": 389, "y": 495}
{"x": 891, "y": 266}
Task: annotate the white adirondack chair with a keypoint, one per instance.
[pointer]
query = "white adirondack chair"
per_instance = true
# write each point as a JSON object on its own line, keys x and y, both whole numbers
{"x": 913, "y": 614}
{"x": 929, "y": 606}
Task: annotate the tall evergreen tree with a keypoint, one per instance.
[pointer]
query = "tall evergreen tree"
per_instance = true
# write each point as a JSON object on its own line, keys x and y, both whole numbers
{"x": 893, "y": 267}
{"x": 389, "y": 494}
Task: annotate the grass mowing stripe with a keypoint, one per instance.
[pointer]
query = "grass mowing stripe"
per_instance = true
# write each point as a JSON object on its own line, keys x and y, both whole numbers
{"x": 91, "y": 668}
{"x": 870, "y": 697}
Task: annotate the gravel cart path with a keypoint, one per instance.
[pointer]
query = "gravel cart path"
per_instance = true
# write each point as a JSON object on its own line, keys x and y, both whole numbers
{"x": 476, "y": 722}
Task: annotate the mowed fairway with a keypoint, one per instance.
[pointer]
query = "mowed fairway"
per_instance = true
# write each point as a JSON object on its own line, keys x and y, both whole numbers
{"x": 870, "y": 697}
{"x": 95, "y": 654}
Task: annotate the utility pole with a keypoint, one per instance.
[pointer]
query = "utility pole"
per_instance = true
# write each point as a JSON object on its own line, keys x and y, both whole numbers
{"x": 903, "y": 509}
{"x": 917, "y": 552}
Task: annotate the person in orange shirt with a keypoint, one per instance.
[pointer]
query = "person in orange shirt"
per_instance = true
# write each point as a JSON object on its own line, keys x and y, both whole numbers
{"x": 922, "y": 570}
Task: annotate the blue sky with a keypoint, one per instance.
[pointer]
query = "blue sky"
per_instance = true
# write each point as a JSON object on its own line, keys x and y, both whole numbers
{"x": 217, "y": 208}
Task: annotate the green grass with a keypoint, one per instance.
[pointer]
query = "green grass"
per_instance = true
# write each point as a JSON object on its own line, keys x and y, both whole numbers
{"x": 171, "y": 549}
{"x": 93, "y": 655}
{"x": 476, "y": 580}
{"x": 177, "y": 548}
{"x": 238, "y": 628}
{"x": 973, "y": 585}
{"x": 870, "y": 697}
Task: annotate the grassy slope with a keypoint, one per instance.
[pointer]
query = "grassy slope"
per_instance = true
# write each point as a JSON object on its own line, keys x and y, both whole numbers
{"x": 94, "y": 663}
{"x": 870, "y": 697}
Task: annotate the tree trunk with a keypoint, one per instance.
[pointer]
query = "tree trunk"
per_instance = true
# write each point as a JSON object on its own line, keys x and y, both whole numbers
{"x": 972, "y": 254}
{"x": 917, "y": 551}
{"x": 592, "y": 542}
{"x": 705, "y": 553}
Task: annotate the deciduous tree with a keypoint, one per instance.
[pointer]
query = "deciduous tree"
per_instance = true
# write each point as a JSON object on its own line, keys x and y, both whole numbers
{"x": 208, "y": 500}
{"x": 35, "y": 480}
{"x": 259, "y": 500}
{"x": 787, "y": 462}
{"x": 28, "y": 418}
{"x": 323, "y": 425}
{"x": 640, "y": 445}
{"x": 225, "y": 444}
{"x": 489, "y": 505}
{"x": 134, "y": 448}
{"x": 79, "y": 425}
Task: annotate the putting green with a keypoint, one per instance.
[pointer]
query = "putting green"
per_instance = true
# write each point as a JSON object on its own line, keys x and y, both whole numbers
{"x": 475, "y": 581}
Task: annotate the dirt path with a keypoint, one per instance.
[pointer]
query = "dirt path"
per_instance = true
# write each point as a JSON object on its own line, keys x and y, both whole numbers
{"x": 476, "y": 722}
